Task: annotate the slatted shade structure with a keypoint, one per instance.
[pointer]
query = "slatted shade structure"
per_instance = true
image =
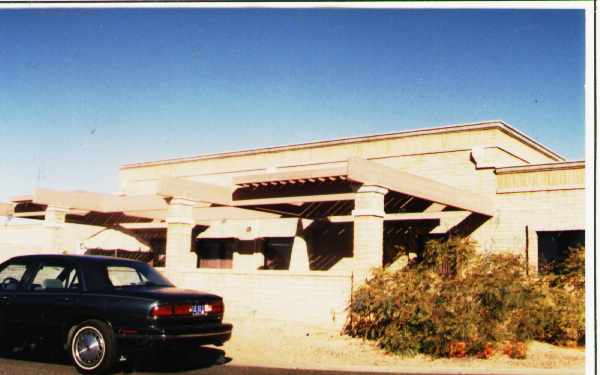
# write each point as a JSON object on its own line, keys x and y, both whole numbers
{"x": 299, "y": 177}
{"x": 318, "y": 192}
{"x": 338, "y": 184}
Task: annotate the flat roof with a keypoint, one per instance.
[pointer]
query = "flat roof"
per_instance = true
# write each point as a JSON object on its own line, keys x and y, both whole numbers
{"x": 491, "y": 124}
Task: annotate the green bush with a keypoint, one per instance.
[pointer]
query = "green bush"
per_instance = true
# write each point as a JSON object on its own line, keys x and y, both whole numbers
{"x": 453, "y": 295}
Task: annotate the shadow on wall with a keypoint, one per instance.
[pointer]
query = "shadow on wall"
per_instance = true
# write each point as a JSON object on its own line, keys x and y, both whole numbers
{"x": 402, "y": 238}
{"x": 468, "y": 225}
{"x": 328, "y": 243}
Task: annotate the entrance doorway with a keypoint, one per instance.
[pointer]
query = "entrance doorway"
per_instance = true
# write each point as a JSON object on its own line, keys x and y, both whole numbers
{"x": 553, "y": 247}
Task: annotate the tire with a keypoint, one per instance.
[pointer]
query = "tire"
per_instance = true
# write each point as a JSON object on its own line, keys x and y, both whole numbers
{"x": 93, "y": 348}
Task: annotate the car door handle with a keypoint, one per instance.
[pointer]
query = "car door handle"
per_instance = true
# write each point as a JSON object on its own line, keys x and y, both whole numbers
{"x": 5, "y": 299}
{"x": 64, "y": 299}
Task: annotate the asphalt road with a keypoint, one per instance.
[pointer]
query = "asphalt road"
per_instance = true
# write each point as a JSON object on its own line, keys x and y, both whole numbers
{"x": 206, "y": 361}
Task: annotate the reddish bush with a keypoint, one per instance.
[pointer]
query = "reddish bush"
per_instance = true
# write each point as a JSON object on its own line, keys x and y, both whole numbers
{"x": 487, "y": 352}
{"x": 457, "y": 349}
{"x": 515, "y": 349}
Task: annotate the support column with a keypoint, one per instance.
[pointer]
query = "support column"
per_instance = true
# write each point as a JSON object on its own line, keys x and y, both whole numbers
{"x": 532, "y": 249}
{"x": 299, "y": 261}
{"x": 368, "y": 230}
{"x": 55, "y": 217}
{"x": 54, "y": 220}
{"x": 180, "y": 223}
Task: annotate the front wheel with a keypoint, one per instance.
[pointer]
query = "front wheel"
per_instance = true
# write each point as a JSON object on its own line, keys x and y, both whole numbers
{"x": 93, "y": 347}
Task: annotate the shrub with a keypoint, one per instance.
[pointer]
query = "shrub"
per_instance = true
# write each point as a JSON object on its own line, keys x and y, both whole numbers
{"x": 454, "y": 302}
{"x": 515, "y": 349}
{"x": 562, "y": 312}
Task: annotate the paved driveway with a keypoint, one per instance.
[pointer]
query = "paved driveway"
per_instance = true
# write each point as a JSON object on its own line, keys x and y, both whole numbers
{"x": 213, "y": 361}
{"x": 208, "y": 361}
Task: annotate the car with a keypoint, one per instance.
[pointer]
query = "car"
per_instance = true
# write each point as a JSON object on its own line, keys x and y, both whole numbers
{"x": 101, "y": 309}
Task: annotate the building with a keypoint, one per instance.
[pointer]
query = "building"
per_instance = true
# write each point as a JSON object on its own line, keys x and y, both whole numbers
{"x": 287, "y": 232}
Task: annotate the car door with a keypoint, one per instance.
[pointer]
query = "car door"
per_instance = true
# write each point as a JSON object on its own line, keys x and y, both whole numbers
{"x": 51, "y": 297}
{"x": 14, "y": 275}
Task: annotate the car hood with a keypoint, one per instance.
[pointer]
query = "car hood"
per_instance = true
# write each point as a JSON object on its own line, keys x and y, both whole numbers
{"x": 166, "y": 293}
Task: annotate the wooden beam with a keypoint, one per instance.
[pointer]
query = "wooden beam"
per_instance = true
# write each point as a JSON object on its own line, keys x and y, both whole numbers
{"x": 295, "y": 200}
{"x": 194, "y": 190}
{"x": 99, "y": 202}
{"x": 116, "y": 203}
{"x": 372, "y": 173}
{"x": 7, "y": 209}
{"x": 221, "y": 213}
{"x": 43, "y": 213}
{"x": 148, "y": 214}
{"x": 82, "y": 200}
{"x": 435, "y": 207}
{"x": 304, "y": 174}
{"x": 152, "y": 225}
{"x": 29, "y": 214}
{"x": 425, "y": 215}
{"x": 252, "y": 229}
{"x": 202, "y": 214}
{"x": 406, "y": 216}
{"x": 21, "y": 198}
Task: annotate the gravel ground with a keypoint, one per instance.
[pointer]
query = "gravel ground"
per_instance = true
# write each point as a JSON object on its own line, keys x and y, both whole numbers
{"x": 278, "y": 344}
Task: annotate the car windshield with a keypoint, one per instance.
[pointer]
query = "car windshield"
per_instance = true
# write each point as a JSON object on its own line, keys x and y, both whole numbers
{"x": 124, "y": 275}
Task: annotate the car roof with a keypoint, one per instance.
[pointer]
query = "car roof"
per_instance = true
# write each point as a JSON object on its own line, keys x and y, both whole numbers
{"x": 82, "y": 259}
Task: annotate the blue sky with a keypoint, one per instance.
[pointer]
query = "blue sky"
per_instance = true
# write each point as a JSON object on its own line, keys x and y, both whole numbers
{"x": 83, "y": 91}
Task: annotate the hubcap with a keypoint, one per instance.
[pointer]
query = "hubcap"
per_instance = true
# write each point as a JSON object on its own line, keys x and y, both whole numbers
{"x": 88, "y": 347}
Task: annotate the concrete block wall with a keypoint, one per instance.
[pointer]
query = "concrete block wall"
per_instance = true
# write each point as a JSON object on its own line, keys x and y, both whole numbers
{"x": 318, "y": 298}
{"x": 37, "y": 238}
{"x": 552, "y": 210}
{"x": 451, "y": 168}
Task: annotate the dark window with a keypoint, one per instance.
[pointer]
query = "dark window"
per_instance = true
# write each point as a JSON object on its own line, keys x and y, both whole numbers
{"x": 553, "y": 247}
{"x": 215, "y": 253}
{"x": 278, "y": 252}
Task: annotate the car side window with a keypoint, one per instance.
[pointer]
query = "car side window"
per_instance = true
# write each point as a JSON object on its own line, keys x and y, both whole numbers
{"x": 12, "y": 276}
{"x": 55, "y": 277}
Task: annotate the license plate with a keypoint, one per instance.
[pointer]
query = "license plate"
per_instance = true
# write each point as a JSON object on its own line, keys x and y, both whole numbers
{"x": 197, "y": 310}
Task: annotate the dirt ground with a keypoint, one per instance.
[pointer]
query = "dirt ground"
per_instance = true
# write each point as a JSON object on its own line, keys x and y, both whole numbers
{"x": 278, "y": 344}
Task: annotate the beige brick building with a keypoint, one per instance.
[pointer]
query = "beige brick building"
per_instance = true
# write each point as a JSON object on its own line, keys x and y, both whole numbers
{"x": 287, "y": 232}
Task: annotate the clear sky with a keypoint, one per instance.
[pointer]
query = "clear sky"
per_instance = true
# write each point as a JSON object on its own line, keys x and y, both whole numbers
{"x": 83, "y": 91}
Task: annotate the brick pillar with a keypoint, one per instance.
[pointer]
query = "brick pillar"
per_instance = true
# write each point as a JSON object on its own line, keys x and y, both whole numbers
{"x": 54, "y": 220}
{"x": 368, "y": 230}
{"x": 180, "y": 223}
